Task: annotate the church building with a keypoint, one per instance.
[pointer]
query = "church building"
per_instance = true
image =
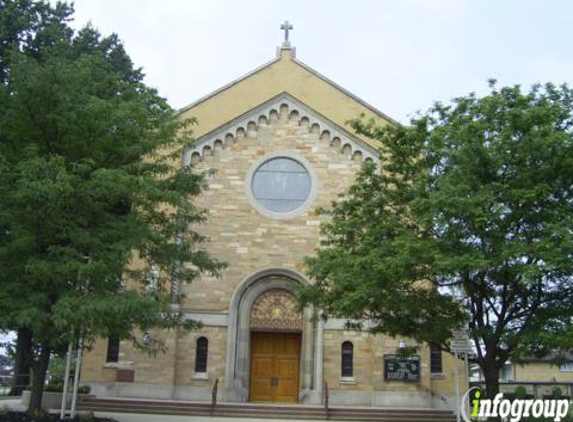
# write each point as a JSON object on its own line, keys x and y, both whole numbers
{"x": 279, "y": 148}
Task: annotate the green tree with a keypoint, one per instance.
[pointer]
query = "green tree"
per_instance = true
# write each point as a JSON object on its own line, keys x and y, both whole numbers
{"x": 470, "y": 219}
{"x": 28, "y": 27}
{"x": 31, "y": 27}
{"x": 93, "y": 194}
{"x": 5, "y": 361}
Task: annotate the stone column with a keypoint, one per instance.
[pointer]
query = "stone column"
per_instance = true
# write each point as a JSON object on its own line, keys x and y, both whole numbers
{"x": 318, "y": 360}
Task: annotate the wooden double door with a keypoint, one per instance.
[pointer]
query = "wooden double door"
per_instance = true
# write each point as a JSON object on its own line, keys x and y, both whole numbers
{"x": 275, "y": 363}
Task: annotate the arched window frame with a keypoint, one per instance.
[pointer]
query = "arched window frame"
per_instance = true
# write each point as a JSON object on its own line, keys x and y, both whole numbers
{"x": 347, "y": 360}
{"x": 201, "y": 355}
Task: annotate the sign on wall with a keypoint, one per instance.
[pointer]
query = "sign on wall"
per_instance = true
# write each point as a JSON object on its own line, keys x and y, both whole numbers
{"x": 400, "y": 369}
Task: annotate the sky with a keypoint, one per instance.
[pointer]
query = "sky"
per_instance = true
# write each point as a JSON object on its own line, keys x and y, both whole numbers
{"x": 398, "y": 55}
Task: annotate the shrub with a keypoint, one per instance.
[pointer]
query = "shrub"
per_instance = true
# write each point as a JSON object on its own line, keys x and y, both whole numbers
{"x": 509, "y": 396}
{"x": 520, "y": 392}
{"x": 84, "y": 389}
{"x": 556, "y": 392}
{"x": 56, "y": 385}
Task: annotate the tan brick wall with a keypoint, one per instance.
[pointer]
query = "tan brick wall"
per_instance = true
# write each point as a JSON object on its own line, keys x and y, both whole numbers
{"x": 242, "y": 237}
{"x": 94, "y": 364}
{"x": 363, "y": 360}
{"x": 247, "y": 240}
{"x": 284, "y": 75}
{"x": 540, "y": 371}
{"x": 368, "y": 364}
{"x": 369, "y": 351}
{"x": 185, "y": 361}
{"x": 151, "y": 368}
{"x": 446, "y": 385}
{"x": 383, "y": 345}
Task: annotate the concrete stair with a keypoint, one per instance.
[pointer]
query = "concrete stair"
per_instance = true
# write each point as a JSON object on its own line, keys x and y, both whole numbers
{"x": 267, "y": 411}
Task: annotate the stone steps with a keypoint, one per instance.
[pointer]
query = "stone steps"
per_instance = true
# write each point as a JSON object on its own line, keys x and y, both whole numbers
{"x": 269, "y": 411}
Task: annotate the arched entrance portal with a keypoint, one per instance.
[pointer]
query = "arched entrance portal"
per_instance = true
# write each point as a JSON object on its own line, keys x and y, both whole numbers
{"x": 263, "y": 319}
{"x": 276, "y": 328}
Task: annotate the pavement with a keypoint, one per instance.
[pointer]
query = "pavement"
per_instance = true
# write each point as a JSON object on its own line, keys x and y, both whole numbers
{"x": 137, "y": 417}
{"x": 14, "y": 404}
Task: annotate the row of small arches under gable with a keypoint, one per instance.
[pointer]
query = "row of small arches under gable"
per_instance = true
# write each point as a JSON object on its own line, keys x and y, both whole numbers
{"x": 273, "y": 116}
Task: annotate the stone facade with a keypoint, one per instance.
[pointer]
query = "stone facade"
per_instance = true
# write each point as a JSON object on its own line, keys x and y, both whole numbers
{"x": 282, "y": 110}
{"x": 239, "y": 234}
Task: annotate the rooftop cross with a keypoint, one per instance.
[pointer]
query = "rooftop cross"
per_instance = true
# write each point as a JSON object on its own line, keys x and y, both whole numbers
{"x": 286, "y": 27}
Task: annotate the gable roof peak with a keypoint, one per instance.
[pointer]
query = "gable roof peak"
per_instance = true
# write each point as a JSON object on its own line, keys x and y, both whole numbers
{"x": 286, "y": 52}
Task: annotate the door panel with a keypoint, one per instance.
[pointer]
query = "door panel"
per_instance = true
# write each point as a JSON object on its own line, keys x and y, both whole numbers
{"x": 275, "y": 366}
{"x": 287, "y": 372}
{"x": 262, "y": 369}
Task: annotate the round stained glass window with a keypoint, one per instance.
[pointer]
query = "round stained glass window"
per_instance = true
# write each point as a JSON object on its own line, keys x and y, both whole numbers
{"x": 281, "y": 185}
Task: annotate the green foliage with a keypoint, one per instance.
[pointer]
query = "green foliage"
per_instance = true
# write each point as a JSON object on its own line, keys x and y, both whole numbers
{"x": 87, "y": 176}
{"x": 56, "y": 385}
{"x": 470, "y": 219}
{"x": 556, "y": 392}
{"x": 509, "y": 396}
{"x": 94, "y": 197}
{"x": 30, "y": 27}
{"x": 7, "y": 415}
{"x": 84, "y": 389}
{"x": 568, "y": 418}
{"x": 407, "y": 352}
{"x": 520, "y": 392}
{"x": 6, "y": 361}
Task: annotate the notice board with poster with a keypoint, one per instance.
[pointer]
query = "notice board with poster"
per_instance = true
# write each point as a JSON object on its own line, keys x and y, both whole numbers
{"x": 397, "y": 368}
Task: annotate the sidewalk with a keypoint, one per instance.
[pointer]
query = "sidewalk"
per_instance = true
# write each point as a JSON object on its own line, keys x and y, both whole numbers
{"x": 138, "y": 417}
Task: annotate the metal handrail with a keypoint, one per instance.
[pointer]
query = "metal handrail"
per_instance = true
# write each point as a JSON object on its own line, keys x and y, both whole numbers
{"x": 326, "y": 396}
{"x": 214, "y": 394}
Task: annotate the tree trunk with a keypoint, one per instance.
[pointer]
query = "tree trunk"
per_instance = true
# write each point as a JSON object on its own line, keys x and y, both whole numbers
{"x": 38, "y": 379}
{"x": 21, "y": 379}
{"x": 491, "y": 375}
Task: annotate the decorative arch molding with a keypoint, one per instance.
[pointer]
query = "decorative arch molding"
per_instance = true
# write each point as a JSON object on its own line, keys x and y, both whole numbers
{"x": 276, "y": 310}
{"x": 297, "y": 113}
{"x": 248, "y": 292}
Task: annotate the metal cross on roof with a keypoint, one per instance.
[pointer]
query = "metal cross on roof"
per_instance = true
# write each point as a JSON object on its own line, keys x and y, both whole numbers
{"x": 286, "y": 27}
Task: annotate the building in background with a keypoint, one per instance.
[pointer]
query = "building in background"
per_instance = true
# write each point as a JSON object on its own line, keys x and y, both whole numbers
{"x": 551, "y": 375}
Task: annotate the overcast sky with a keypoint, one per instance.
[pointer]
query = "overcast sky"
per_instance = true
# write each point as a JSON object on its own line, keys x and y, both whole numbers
{"x": 398, "y": 55}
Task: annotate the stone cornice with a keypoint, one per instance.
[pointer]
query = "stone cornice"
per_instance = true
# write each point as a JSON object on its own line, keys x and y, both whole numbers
{"x": 270, "y": 110}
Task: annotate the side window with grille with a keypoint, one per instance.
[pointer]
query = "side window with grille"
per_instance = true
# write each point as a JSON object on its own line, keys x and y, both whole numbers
{"x": 201, "y": 352}
{"x": 112, "y": 349}
{"x": 435, "y": 359}
{"x": 347, "y": 357}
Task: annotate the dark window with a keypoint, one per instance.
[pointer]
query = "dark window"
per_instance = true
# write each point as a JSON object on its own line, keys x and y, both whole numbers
{"x": 201, "y": 355}
{"x": 435, "y": 359}
{"x": 347, "y": 356}
{"x": 112, "y": 349}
